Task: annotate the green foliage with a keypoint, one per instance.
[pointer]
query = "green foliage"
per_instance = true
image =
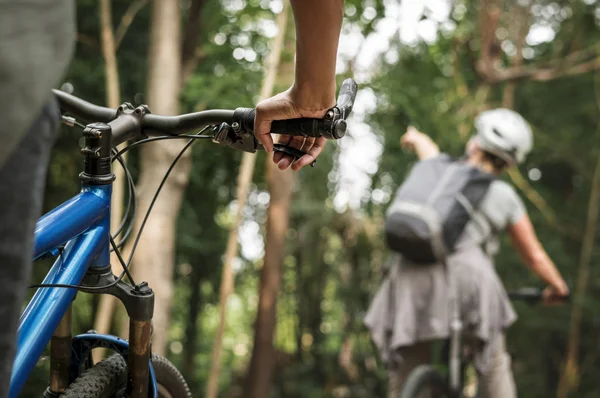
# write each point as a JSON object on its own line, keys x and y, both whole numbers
{"x": 334, "y": 258}
{"x": 425, "y": 88}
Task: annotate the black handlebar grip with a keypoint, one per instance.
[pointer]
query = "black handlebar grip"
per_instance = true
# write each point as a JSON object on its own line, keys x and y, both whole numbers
{"x": 526, "y": 293}
{"x": 246, "y": 119}
{"x": 346, "y": 97}
{"x": 306, "y": 127}
{"x": 533, "y": 295}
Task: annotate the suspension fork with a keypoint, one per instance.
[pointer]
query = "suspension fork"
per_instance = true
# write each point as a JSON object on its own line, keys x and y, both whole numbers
{"x": 139, "y": 304}
{"x": 60, "y": 357}
{"x": 140, "y": 332}
{"x": 139, "y": 299}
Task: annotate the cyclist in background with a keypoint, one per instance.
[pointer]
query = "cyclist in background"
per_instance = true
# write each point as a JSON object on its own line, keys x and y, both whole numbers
{"x": 36, "y": 45}
{"x": 411, "y": 307}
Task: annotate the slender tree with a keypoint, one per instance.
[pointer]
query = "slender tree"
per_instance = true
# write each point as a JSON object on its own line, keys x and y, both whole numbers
{"x": 280, "y": 185}
{"x": 104, "y": 315}
{"x": 243, "y": 184}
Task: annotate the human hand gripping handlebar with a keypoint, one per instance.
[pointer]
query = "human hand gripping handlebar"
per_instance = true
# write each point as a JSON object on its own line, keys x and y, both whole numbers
{"x": 333, "y": 126}
{"x": 233, "y": 127}
{"x": 533, "y": 295}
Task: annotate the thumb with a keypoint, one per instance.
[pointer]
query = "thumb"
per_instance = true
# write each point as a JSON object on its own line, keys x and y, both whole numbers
{"x": 262, "y": 133}
{"x": 411, "y": 130}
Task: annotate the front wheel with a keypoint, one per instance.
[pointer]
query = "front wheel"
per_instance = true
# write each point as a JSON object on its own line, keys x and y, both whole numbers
{"x": 425, "y": 382}
{"x": 108, "y": 379}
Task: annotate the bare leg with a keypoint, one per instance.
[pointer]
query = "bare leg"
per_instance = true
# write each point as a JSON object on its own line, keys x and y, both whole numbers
{"x": 412, "y": 356}
{"x": 498, "y": 381}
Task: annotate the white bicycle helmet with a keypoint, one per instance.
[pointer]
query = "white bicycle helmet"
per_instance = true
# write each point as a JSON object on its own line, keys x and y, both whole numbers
{"x": 504, "y": 133}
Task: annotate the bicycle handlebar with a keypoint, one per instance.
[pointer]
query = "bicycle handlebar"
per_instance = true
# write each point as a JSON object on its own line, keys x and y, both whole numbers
{"x": 531, "y": 295}
{"x": 83, "y": 109}
{"x": 333, "y": 126}
{"x": 127, "y": 122}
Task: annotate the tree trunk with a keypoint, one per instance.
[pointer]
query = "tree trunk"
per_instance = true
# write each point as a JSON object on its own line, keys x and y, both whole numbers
{"x": 348, "y": 234}
{"x": 189, "y": 50}
{"x": 570, "y": 375}
{"x": 227, "y": 277}
{"x": 280, "y": 184}
{"x": 154, "y": 257}
{"x": 299, "y": 293}
{"x": 243, "y": 183}
{"x": 191, "y": 329}
{"x": 104, "y": 315}
{"x": 570, "y": 372}
{"x": 127, "y": 18}
{"x": 520, "y": 29}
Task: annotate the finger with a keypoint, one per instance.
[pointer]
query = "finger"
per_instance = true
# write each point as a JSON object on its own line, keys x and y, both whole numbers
{"x": 286, "y": 161}
{"x": 262, "y": 132}
{"x": 285, "y": 140}
{"x": 311, "y": 155}
{"x": 277, "y": 156}
{"x": 295, "y": 142}
{"x": 553, "y": 299}
{"x": 262, "y": 123}
{"x": 308, "y": 143}
{"x": 281, "y": 139}
{"x": 274, "y": 108}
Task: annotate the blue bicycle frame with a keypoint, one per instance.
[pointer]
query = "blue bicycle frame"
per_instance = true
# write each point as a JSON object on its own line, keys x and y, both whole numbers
{"x": 81, "y": 224}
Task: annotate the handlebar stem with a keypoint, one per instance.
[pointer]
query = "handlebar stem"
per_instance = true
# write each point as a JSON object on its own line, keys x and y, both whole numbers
{"x": 96, "y": 152}
{"x": 128, "y": 123}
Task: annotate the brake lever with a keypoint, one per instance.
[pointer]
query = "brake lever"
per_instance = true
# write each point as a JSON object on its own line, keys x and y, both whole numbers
{"x": 296, "y": 153}
{"x": 288, "y": 150}
{"x": 247, "y": 142}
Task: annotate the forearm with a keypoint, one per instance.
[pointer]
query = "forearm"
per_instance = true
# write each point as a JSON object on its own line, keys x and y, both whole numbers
{"x": 533, "y": 254}
{"x": 541, "y": 265}
{"x": 425, "y": 147}
{"x": 318, "y": 24}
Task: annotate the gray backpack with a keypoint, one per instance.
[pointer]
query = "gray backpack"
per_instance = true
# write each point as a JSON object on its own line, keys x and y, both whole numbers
{"x": 432, "y": 207}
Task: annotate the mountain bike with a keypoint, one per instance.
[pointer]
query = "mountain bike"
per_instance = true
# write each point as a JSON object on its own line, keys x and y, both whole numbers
{"x": 78, "y": 234}
{"x": 427, "y": 381}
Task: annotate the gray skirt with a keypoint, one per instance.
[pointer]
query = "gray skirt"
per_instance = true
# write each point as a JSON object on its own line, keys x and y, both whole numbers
{"x": 413, "y": 304}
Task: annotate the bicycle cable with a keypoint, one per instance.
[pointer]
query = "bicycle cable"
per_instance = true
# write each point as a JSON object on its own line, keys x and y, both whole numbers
{"x": 166, "y": 137}
{"x": 131, "y": 199}
{"x": 131, "y": 207}
{"x": 118, "y": 156}
{"x": 66, "y": 286}
{"x": 160, "y": 186}
{"x": 139, "y": 234}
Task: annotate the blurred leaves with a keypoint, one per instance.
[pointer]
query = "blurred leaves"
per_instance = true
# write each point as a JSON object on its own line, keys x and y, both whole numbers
{"x": 334, "y": 258}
